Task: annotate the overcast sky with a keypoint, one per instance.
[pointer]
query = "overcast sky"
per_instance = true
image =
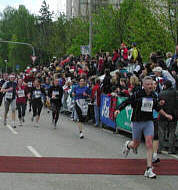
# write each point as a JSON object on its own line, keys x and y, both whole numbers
{"x": 34, "y": 5}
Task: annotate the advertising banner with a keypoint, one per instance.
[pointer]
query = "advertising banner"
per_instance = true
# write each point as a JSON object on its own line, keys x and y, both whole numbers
{"x": 105, "y": 110}
{"x": 123, "y": 120}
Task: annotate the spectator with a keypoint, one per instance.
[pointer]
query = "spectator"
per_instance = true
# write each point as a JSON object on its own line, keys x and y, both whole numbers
{"x": 174, "y": 57}
{"x": 169, "y": 58}
{"x": 165, "y": 74}
{"x": 95, "y": 96}
{"x": 106, "y": 85}
{"x": 124, "y": 54}
{"x": 134, "y": 53}
{"x": 168, "y": 98}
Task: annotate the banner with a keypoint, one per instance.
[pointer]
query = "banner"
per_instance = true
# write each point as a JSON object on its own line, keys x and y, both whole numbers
{"x": 84, "y": 50}
{"x": 105, "y": 110}
{"x": 123, "y": 120}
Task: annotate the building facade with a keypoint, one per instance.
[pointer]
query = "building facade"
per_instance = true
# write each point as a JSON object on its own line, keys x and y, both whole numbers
{"x": 75, "y": 8}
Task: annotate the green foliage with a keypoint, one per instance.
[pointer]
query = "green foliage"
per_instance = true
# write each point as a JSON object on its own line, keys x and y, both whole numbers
{"x": 152, "y": 24}
{"x": 80, "y": 36}
{"x": 105, "y": 30}
{"x": 144, "y": 28}
{"x": 16, "y": 25}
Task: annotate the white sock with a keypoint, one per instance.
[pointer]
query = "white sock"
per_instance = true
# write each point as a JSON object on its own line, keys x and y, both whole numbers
{"x": 155, "y": 155}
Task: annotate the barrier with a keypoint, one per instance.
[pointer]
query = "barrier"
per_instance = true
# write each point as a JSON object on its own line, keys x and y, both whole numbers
{"x": 123, "y": 120}
{"x": 105, "y": 111}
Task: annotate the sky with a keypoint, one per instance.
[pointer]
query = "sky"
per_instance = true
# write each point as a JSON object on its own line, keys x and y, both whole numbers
{"x": 34, "y": 5}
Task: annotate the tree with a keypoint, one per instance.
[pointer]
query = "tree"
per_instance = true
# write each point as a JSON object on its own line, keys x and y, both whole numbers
{"x": 18, "y": 25}
{"x": 147, "y": 31}
{"x": 106, "y": 35}
{"x": 44, "y": 25}
{"x": 80, "y": 29}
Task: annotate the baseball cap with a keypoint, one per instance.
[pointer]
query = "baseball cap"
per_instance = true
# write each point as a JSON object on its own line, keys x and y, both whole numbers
{"x": 11, "y": 76}
{"x": 157, "y": 69}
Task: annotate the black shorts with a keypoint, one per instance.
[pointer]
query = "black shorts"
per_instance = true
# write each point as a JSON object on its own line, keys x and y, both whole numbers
{"x": 79, "y": 113}
{"x": 55, "y": 107}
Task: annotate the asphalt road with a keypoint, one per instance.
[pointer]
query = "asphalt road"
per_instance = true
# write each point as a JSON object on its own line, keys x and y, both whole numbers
{"x": 64, "y": 142}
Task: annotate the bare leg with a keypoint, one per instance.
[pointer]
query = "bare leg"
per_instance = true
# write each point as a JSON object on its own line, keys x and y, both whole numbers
{"x": 37, "y": 118}
{"x": 149, "y": 146}
{"x": 80, "y": 126}
{"x": 155, "y": 146}
{"x": 133, "y": 144}
{"x": 13, "y": 116}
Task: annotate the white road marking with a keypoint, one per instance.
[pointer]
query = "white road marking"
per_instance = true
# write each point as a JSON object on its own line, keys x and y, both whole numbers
{"x": 12, "y": 130}
{"x": 172, "y": 155}
{"x": 34, "y": 151}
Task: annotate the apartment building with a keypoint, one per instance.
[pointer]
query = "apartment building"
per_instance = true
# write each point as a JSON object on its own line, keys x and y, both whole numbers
{"x": 75, "y": 8}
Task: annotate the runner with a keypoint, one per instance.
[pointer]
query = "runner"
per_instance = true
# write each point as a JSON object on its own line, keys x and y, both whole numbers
{"x": 81, "y": 93}
{"x": 46, "y": 86}
{"x": 55, "y": 94}
{"x": 37, "y": 94}
{"x": 9, "y": 88}
{"x": 29, "y": 79}
{"x": 21, "y": 100}
{"x": 4, "y": 79}
{"x": 143, "y": 102}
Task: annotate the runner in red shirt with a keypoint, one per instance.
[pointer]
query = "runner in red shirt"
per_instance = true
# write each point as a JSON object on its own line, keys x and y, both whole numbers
{"x": 21, "y": 100}
{"x": 29, "y": 79}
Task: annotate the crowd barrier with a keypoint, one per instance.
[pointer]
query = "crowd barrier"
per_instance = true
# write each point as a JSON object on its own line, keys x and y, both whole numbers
{"x": 107, "y": 109}
{"x": 123, "y": 120}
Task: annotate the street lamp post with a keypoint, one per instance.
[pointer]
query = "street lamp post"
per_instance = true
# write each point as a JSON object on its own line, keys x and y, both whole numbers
{"x": 21, "y": 43}
{"x": 6, "y": 64}
{"x": 90, "y": 29}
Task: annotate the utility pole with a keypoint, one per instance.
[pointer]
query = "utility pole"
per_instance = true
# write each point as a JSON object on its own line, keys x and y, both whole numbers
{"x": 176, "y": 12}
{"x": 90, "y": 28}
{"x": 6, "y": 64}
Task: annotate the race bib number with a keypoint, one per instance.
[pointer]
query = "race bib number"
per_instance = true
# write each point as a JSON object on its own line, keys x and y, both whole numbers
{"x": 37, "y": 94}
{"x": 147, "y": 105}
{"x": 21, "y": 93}
{"x": 29, "y": 84}
{"x": 55, "y": 93}
{"x": 9, "y": 95}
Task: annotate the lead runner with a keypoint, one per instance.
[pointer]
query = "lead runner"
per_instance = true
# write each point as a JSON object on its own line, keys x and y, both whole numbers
{"x": 143, "y": 102}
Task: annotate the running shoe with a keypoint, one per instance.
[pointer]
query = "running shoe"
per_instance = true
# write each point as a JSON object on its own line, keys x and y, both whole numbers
{"x": 150, "y": 174}
{"x": 20, "y": 123}
{"x": 54, "y": 124}
{"x": 155, "y": 160}
{"x": 125, "y": 149}
{"x": 32, "y": 119}
{"x": 36, "y": 125}
{"x": 5, "y": 122}
{"x": 14, "y": 126}
{"x": 81, "y": 135}
{"x": 135, "y": 150}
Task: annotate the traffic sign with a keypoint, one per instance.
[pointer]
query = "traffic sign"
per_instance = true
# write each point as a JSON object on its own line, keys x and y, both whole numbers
{"x": 33, "y": 58}
{"x": 84, "y": 50}
{"x": 17, "y": 67}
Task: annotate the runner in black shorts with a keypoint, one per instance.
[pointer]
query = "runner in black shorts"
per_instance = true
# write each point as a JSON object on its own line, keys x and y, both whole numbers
{"x": 37, "y": 94}
{"x": 55, "y": 94}
{"x": 81, "y": 93}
